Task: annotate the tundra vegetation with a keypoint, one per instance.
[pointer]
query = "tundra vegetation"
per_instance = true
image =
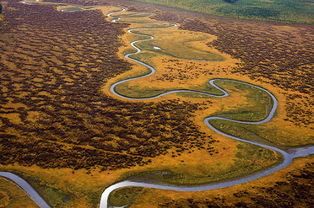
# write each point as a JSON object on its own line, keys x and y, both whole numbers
{"x": 77, "y": 138}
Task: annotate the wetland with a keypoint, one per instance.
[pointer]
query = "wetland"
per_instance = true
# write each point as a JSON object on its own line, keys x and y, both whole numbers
{"x": 119, "y": 112}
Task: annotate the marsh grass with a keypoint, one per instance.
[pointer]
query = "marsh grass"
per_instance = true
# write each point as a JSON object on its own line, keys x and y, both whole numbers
{"x": 138, "y": 92}
{"x": 264, "y": 133}
{"x": 124, "y": 196}
{"x": 193, "y": 95}
{"x": 179, "y": 45}
{"x": 13, "y": 196}
{"x": 54, "y": 196}
{"x": 145, "y": 92}
{"x": 248, "y": 159}
{"x": 258, "y": 106}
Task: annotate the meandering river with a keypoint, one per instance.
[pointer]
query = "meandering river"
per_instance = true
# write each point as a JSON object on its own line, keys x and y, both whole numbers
{"x": 286, "y": 155}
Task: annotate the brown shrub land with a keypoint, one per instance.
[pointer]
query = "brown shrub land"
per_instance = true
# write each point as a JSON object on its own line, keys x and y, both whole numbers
{"x": 51, "y": 107}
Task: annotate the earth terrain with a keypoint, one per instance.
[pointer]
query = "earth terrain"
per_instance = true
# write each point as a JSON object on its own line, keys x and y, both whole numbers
{"x": 56, "y": 108}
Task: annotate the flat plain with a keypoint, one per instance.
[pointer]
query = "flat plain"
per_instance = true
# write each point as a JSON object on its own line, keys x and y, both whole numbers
{"x": 77, "y": 138}
{"x": 287, "y": 11}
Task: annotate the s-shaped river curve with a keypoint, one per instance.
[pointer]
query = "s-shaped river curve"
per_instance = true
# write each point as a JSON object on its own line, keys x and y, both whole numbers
{"x": 287, "y": 155}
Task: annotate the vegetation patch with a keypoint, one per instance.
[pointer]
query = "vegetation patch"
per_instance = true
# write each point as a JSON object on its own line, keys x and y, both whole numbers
{"x": 13, "y": 196}
{"x": 124, "y": 196}
{"x": 54, "y": 196}
{"x": 289, "y": 189}
{"x": 75, "y": 125}
{"x": 251, "y": 12}
{"x": 258, "y": 106}
{"x": 249, "y": 159}
{"x": 276, "y": 10}
{"x": 264, "y": 133}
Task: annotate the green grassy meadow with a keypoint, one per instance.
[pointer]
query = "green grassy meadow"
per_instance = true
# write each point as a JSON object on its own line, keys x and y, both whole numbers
{"x": 288, "y": 11}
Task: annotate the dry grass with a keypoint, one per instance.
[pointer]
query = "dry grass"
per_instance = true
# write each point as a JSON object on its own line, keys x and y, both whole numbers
{"x": 12, "y": 196}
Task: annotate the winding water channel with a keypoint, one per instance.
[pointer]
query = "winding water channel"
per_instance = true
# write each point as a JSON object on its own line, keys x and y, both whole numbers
{"x": 286, "y": 155}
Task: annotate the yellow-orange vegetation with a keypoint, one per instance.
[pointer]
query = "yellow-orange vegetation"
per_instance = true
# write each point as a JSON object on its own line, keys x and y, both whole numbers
{"x": 13, "y": 196}
{"x": 177, "y": 73}
{"x": 183, "y": 74}
{"x": 151, "y": 198}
